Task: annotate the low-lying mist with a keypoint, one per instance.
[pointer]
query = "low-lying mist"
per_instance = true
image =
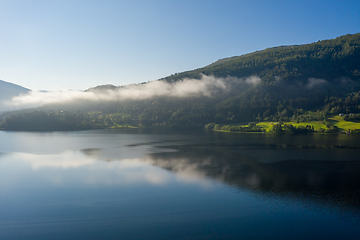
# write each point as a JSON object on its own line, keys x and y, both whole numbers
{"x": 207, "y": 86}
{"x": 211, "y": 89}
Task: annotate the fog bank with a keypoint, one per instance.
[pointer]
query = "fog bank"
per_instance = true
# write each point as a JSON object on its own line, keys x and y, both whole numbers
{"x": 207, "y": 86}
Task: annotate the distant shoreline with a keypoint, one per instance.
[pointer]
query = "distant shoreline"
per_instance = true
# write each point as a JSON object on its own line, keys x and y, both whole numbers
{"x": 332, "y": 124}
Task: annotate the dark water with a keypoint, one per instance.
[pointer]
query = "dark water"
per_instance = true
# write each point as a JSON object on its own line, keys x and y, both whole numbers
{"x": 134, "y": 184}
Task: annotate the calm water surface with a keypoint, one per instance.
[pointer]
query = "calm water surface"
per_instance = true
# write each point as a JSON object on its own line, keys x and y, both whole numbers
{"x": 136, "y": 184}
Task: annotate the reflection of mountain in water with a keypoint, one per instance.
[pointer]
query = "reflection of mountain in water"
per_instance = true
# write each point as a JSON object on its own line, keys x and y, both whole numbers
{"x": 328, "y": 181}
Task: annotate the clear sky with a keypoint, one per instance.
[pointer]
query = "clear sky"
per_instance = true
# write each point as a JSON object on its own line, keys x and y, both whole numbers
{"x": 77, "y": 44}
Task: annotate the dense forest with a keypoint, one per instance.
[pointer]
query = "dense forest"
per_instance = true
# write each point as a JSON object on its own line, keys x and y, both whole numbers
{"x": 298, "y": 83}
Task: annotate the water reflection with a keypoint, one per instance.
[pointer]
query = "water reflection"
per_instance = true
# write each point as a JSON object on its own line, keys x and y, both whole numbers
{"x": 318, "y": 176}
{"x": 329, "y": 175}
{"x": 334, "y": 181}
{"x": 320, "y": 173}
{"x": 66, "y": 160}
{"x": 236, "y": 186}
{"x": 323, "y": 173}
{"x": 84, "y": 167}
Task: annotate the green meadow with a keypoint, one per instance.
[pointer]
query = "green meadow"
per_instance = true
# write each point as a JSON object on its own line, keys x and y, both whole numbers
{"x": 337, "y": 124}
{"x": 344, "y": 125}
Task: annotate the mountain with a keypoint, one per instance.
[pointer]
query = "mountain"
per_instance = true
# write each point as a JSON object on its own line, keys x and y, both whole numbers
{"x": 100, "y": 88}
{"x": 297, "y": 82}
{"x": 324, "y": 75}
{"x": 9, "y": 90}
{"x": 328, "y": 59}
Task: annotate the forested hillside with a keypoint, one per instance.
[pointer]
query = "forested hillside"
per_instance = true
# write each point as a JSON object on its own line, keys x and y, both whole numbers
{"x": 298, "y": 83}
{"x": 328, "y": 59}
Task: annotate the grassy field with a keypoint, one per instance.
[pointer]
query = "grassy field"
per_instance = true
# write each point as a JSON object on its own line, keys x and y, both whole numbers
{"x": 317, "y": 125}
{"x": 265, "y": 125}
{"x": 336, "y": 121}
{"x": 344, "y": 125}
{"x": 124, "y": 126}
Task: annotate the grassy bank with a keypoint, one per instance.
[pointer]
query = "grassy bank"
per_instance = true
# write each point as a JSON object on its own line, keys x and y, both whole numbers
{"x": 344, "y": 125}
{"x": 333, "y": 124}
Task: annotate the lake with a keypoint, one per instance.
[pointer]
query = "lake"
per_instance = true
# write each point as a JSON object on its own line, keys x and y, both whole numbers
{"x": 152, "y": 184}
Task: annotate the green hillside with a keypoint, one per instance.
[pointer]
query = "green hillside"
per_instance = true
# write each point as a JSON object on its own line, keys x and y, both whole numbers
{"x": 328, "y": 59}
{"x": 299, "y": 84}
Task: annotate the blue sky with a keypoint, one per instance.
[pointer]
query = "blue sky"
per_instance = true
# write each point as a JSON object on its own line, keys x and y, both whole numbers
{"x": 53, "y": 45}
